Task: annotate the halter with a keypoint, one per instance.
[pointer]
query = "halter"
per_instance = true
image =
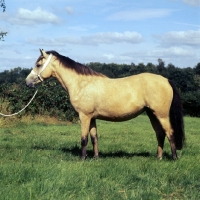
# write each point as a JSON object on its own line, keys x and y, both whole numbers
{"x": 43, "y": 67}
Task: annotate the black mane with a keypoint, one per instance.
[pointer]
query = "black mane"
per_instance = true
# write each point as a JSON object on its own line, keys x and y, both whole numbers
{"x": 78, "y": 67}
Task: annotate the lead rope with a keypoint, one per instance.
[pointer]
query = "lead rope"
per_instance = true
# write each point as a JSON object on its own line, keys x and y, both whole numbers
{"x": 21, "y": 109}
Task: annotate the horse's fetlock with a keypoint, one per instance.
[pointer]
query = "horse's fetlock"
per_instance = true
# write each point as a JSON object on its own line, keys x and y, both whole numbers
{"x": 93, "y": 140}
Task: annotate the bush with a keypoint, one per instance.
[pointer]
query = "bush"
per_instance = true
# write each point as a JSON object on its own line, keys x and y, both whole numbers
{"x": 51, "y": 99}
{"x": 191, "y": 103}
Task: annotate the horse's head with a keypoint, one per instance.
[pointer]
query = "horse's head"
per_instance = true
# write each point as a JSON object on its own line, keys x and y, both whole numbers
{"x": 42, "y": 69}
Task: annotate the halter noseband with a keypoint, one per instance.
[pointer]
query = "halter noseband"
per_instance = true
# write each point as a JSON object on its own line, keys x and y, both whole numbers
{"x": 43, "y": 67}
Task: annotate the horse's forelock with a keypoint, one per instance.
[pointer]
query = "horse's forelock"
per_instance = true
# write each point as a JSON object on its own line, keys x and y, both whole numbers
{"x": 48, "y": 52}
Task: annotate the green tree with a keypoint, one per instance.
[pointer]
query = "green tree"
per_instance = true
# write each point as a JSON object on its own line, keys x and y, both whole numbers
{"x": 161, "y": 68}
{"x": 197, "y": 75}
{"x": 191, "y": 103}
{"x": 2, "y": 35}
{"x": 197, "y": 69}
{"x": 3, "y": 6}
{"x": 151, "y": 68}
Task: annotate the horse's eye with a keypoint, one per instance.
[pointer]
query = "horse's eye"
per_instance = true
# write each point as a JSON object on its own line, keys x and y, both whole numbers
{"x": 38, "y": 65}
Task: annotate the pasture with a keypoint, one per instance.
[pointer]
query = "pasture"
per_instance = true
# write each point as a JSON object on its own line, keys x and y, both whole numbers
{"x": 40, "y": 160}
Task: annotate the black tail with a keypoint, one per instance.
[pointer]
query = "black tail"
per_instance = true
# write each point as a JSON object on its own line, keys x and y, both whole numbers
{"x": 176, "y": 118}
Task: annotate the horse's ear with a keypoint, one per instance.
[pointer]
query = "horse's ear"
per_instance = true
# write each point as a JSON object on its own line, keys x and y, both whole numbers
{"x": 43, "y": 53}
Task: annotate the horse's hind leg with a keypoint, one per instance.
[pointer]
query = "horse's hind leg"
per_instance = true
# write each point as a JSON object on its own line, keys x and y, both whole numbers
{"x": 94, "y": 138}
{"x": 169, "y": 133}
{"x": 160, "y": 134}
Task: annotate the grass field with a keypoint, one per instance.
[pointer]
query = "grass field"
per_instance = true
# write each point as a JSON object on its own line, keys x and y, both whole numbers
{"x": 40, "y": 160}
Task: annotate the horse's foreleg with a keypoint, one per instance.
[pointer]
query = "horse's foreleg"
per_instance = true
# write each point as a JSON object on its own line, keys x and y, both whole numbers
{"x": 94, "y": 138}
{"x": 85, "y": 123}
{"x": 84, "y": 141}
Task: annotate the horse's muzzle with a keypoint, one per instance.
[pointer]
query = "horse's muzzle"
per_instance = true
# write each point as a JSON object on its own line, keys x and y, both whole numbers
{"x": 30, "y": 84}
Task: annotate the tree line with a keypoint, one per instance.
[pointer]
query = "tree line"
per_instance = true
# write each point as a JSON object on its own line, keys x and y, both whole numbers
{"x": 53, "y": 100}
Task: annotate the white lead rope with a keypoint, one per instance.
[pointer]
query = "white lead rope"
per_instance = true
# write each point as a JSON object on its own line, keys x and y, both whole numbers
{"x": 21, "y": 109}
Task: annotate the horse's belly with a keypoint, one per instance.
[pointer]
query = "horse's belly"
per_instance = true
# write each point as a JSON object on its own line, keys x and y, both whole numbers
{"x": 119, "y": 118}
{"x": 119, "y": 113}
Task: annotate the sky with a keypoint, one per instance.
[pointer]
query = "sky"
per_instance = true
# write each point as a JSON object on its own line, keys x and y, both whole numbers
{"x": 106, "y": 31}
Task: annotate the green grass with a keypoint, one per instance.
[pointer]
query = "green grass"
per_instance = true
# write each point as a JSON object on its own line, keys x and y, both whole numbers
{"x": 41, "y": 161}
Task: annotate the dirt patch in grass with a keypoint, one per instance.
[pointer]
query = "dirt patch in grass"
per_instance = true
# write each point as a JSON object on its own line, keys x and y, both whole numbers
{"x": 13, "y": 121}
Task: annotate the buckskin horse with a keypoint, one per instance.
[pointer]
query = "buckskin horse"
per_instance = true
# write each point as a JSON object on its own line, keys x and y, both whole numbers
{"x": 95, "y": 96}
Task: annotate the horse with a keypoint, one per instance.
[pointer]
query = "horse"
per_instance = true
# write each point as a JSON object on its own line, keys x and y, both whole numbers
{"x": 96, "y": 96}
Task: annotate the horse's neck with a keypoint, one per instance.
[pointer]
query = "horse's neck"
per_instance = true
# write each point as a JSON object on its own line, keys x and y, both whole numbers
{"x": 68, "y": 78}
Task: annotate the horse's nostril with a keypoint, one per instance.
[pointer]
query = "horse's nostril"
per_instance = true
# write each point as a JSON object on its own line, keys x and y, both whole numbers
{"x": 30, "y": 84}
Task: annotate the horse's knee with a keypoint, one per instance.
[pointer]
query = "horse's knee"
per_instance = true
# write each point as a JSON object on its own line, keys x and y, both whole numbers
{"x": 84, "y": 141}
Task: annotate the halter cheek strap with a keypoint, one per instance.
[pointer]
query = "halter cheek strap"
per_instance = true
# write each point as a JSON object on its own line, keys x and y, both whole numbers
{"x": 43, "y": 67}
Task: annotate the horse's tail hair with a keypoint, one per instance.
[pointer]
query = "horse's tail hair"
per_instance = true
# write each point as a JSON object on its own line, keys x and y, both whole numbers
{"x": 176, "y": 118}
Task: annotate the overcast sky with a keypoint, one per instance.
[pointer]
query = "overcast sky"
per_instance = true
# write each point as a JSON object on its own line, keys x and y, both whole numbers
{"x": 128, "y": 31}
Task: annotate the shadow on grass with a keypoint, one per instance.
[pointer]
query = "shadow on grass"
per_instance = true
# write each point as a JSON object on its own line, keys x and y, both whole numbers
{"x": 76, "y": 151}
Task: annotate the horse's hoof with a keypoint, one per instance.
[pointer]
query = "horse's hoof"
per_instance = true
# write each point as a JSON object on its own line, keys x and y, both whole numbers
{"x": 96, "y": 157}
{"x": 83, "y": 157}
{"x": 159, "y": 158}
{"x": 175, "y": 158}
